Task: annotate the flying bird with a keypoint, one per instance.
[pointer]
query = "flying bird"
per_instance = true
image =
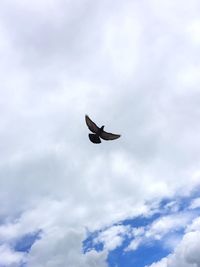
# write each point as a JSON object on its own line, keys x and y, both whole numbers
{"x": 98, "y": 133}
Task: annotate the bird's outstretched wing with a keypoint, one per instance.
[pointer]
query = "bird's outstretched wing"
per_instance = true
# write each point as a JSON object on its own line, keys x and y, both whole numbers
{"x": 109, "y": 136}
{"x": 91, "y": 125}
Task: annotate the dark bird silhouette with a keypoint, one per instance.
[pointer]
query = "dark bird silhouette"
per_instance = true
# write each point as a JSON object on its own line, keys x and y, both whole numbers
{"x": 98, "y": 132}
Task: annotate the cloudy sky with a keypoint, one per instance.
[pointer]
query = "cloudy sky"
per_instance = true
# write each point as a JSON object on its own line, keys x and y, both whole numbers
{"x": 132, "y": 66}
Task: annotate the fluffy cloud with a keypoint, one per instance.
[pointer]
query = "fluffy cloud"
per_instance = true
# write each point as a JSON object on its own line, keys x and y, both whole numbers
{"x": 63, "y": 247}
{"x": 9, "y": 257}
{"x": 168, "y": 223}
{"x": 131, "y": 66}
{"x": 187, "y": 253}
{"x": 161, "y": 229}
{"x": 112, "y": 237}
{"x": 195, "y": 203}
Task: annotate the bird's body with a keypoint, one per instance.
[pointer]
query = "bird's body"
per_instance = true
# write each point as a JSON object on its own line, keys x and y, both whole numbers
{"x": 95, "y": 138}
{"x": 98, "y": 133}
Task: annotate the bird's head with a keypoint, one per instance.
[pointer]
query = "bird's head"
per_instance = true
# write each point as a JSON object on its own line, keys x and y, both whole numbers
{"x": 102, "y": 128}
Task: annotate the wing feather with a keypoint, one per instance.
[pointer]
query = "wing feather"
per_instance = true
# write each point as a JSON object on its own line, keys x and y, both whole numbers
{"x": 109, "y": 136}
{"x": 91, "y": 125}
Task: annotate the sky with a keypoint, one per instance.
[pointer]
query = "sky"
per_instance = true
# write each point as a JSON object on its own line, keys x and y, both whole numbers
{"x": 132, "y": 66}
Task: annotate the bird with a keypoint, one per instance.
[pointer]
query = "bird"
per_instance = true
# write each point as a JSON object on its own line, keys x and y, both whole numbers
{"x": 98, "y": 133}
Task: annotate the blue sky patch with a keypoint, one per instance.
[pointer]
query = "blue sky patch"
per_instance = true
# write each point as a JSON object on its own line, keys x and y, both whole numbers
{"x": 25, "y": 243}
{"x": 144, "y": 255}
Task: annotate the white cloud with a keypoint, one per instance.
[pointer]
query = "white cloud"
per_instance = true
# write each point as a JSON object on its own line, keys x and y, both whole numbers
{"x": 122, "y": 63}
{"x": 10, "y": 258}
{"x": 63, "y": 247}
{"x": 135, "y": 243}
{"x": 187, "y": 252}
{"x": 113, "y": 236}
{"x": 194, "y": 226}
{"x": 162, "y": 263}
{"x": 195, "y": 203}
{"x": 193, "y": 31}
{"x": 168, "y": 223}
{"x": 164, "y": 228}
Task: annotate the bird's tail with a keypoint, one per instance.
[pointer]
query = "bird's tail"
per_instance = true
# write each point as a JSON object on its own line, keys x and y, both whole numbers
{"x": 94, "y": 138}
